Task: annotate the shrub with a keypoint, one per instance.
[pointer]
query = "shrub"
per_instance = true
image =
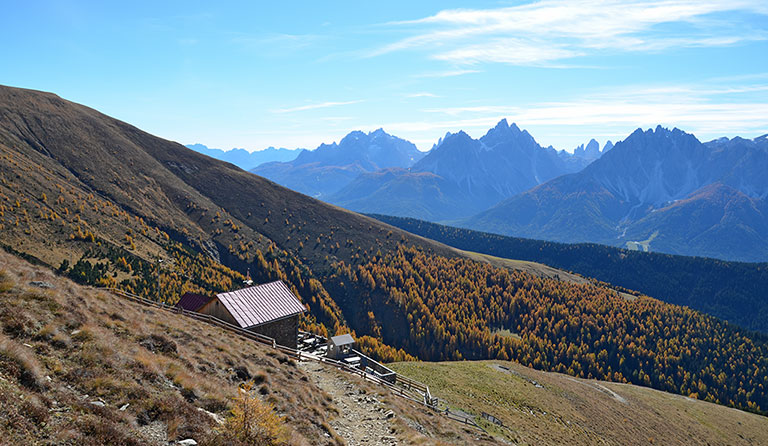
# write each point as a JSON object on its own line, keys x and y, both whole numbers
{"x": 253, "y": 421}
{"x": 47, "y": 332}
{"x": 259, "y": 378}
{"x": 6, "y": 283}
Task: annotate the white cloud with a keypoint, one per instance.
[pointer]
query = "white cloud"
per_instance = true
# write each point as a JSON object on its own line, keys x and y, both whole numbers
{"x": 448, "y": 73}
{"x": 422, "y": 94}
{"x": 314, "y": 106}
{"x": 507, "y": 50}
{"x": 549, "y": 30}
{"x": 709, "y": 109}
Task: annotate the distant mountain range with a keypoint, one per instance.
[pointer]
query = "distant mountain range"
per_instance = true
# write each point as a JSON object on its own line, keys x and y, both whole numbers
{"x": 461, "y": 176}
{"x": 583, "y": 155}
{"x": 659, "y": 189}
{"x": 244, "y": 159}
{"x": 324, "y": 171}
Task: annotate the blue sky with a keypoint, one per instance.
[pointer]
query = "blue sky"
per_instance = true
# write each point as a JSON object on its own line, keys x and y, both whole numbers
{"x": 296, "y": 74}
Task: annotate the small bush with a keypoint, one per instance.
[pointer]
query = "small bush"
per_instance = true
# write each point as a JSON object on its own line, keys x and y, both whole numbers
{"x": 162, "y": 408}
{"x": 253, "y": 421}
{"x": 6, "y": 283}
{"x": 259, "y": 378}
{"x": 83, "y": 334}
{"x": 96, "y": 355}
{"x": 147, "y": 365}
{"x": 114, "y": 389}
{"x": 35, "y": 411}
{"x": 184, "y": 419}
{"x": 213, "y": 404}
{"x": 242, "y": 373}
{"x": 60, "y": 340}
{"x": 117, "y": 317}
{"x": 47, "y": 332}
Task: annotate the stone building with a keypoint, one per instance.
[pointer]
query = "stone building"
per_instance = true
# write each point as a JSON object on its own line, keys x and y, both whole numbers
{"x": 270, "y": 309}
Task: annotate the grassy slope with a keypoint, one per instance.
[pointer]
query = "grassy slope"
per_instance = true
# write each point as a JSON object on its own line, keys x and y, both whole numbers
{"x": 573, "y": 411}
{"x": 95, "y": 346}
{"x": 533, "y": 268}
{"x": 67, "y": 169}
{"x": 107, "y": 361}
{"x": 168, "y": 185}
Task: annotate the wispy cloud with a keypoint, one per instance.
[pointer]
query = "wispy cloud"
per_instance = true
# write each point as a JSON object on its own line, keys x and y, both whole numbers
{"x": 447, "y": 73}
{"x": 422, "y": 94}
{"x": 314, "y": 106}
{"x": 542, "y": 32}
{"x": 708, "y": 109}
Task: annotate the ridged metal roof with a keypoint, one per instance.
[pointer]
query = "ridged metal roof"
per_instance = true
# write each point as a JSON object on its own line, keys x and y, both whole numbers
{"x": 345, "y": 339}
{"x": 192, "y": 301}
{"x": 260, "y": 304}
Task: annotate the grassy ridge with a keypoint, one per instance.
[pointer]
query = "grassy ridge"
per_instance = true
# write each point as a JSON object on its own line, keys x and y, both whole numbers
{"x": 72, "y": 357}
{"x": 551, "y": 408}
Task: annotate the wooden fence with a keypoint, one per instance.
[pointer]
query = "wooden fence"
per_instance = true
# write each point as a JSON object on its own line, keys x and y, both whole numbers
{"x": 460, "y": 417}
{"x": 399, "y": 387}
{"x": 492, "y": 419}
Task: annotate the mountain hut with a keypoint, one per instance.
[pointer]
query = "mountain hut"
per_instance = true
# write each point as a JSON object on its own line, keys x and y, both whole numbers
{"x": 270, "y": 309}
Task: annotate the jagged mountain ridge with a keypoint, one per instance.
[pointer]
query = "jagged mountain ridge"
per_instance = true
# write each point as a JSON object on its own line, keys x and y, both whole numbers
{"x": 470, "y": 175}
{"x": 633, "y": 191}
{"x": 330, "y": 167}
{"x": 583, "y": 155}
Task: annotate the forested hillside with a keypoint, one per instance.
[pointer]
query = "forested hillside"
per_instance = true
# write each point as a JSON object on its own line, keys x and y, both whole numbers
{"x": 455, "y": 309}
{"x": 732, "y": 291}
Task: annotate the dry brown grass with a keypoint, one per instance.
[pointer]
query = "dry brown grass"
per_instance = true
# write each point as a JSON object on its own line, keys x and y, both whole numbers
{"x": 77, "y": 346}
{"x": 551, "y": 408}
{"x": 16, "y": 361}
{"x": 96, "y": 347}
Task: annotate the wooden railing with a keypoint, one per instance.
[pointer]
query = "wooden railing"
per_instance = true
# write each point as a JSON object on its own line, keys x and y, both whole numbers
{"x": 400, "y": 387}
{"x": 462, "y": 418}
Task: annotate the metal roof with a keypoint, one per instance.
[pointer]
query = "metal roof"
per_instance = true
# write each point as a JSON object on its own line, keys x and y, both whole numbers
{"x": 260, "y": 304}
{"x": 344, "y": 339}
{"x": 192, "y": 301}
